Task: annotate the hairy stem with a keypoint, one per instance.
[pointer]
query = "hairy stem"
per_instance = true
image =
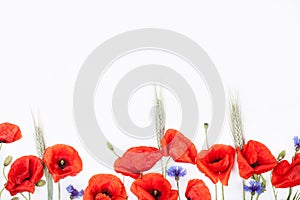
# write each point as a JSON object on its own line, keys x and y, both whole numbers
{"x": 166, "y": 166}
{"x": 216, "y": 191}
{"x": 222, "y": 192}
{"x": 24, "y": 196}
{"x": 3, "y": 172}
{"x": 58, "y": 187}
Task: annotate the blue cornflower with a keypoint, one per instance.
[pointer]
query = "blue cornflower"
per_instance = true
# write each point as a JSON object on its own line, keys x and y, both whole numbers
{"x": 74, "y": 194}
{"x": 254, "y": 187}
{"x": 176, "y": 171}
{"x": 296, "y": 142}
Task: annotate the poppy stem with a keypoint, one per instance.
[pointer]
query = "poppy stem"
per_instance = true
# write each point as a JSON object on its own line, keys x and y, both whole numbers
{"x": 244, "y": 192}
{"x": 216, "y": 191}
{"x": 49, "y": 181}
{"x": 166, "y": 166}
{"x": 29, "y": 197}
{"x": 1, "y": 146}
{"x": 24, "y": 196}
{"x": 3, "y": 172}
{"x": 58, "y": 186}
{"x": 222, "y": 192}
{"x": 290, "y": 193}
{"x": 1, "y": 191}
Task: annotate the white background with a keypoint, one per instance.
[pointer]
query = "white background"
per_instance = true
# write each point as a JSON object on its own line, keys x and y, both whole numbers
{"x": 255, "y": 46}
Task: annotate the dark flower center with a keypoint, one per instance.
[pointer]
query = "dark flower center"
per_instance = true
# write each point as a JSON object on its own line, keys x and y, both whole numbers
{"x": 156, "y": 194}
{"x": 107, "y": 193}
{"x": 62, "y": 163}
{"x": 216, "y": 160}
{"x": 254, "y": 164}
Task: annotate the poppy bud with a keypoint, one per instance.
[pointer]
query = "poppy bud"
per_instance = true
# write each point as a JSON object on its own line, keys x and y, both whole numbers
{"x": 206, "y": 126}
{"x": 7, "y": 161}
{"x": 281, "y": 155}
{"x": 110, "y": 146}
{"x": 15, "y": 198}
{"x": 41, "y": 183}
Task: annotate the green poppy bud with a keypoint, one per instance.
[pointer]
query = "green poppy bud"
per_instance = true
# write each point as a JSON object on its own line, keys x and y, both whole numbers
{"x": 110, "y": 146}
{"x": 206, "y": 126}
{"x": 281, "y": 155}
{"x": 40, "y": 183}
{"x": 7, "y": 161}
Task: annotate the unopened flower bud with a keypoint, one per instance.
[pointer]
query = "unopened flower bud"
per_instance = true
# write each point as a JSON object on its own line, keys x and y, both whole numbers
{"x": 7, "y": 161}
{"x": 15, "y": 198}
{"x": 40, "y": 183}
{"x": 206, "y": 126}
{"x": 110, "y": 146}
{"x": 281, "y": 155}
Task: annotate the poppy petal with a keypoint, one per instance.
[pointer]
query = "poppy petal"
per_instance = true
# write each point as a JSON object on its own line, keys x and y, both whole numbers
{"x": 62, "y": 161}
{"x": 136, "y": 160}
{"x": 217, "y": 162}
{"x": 9, "y": 133}
{"x": 254, "y": 158}
{"x": 287, "y": 175}
{"x": 153, "y": 186}
{"x": 179, "y": 147}
{"x": 197, "y": 190}
{"x": 24, "y": 173}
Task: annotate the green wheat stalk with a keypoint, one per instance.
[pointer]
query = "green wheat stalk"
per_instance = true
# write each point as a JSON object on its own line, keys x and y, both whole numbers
{"x": 236, "y": 123}
{"x": 40, "y": 146}
{"x": 160, "y": 118}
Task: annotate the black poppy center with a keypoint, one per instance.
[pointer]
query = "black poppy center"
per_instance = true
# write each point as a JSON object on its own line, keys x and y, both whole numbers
{"x": 216, "y": 160}
{"x": 254, "y": 164}
{"x": 62, "y": 163}
{"x": 156, "y": 194}
{"x": 107, "y": 193}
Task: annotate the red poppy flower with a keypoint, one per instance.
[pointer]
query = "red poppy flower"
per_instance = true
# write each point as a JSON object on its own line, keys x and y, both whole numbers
{"x": 217, "y": 162}
{"x": 137, "y": 160}
{"x": 62, "y": 161}
{"x": 179, "y": 147}
{"x": 255, "y": 158}
{"x": 153, "y": 186}
{"x": 9, "y": 133}
{"x": 287, "y": 175}
{"x": 197, "y": 190}
{"x": 105, "y": 187}
{"x": 24, "y": 173}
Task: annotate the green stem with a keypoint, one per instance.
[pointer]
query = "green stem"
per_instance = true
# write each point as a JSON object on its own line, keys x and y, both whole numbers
{"x": 1, "y": 191}
{"x": 162, "y": 166}
{"x": 257, "y": 196}
{"x": 49, "y": 181}
{"x": 206, "y": 139}
{"x": 1, "y": 146}
{"x": 290, "y": 193}
{"x": 29, "y": 196}
{"x": 222, "y": 192}
{"x": 177, "y": 182}
{"x": 216, "y": 191}
{"x": 24, "y": 196}
{"x": 252, "y": 197}
{"x": 274, "y": 192}
{"x": 115, "y": 153}
{"x": 58, "y": 186}
{"x": 244, "y": 192}
{"x": 3, "y": 172}
{"x": 166, "y": 165}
